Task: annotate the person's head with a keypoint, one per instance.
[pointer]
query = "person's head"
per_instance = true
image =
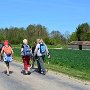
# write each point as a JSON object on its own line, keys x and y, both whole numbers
{"x": 41, "y": 40}
{"x": 6, "y": 42}
{"x": 25, "y": 41}
{"x": 38, "y": 40}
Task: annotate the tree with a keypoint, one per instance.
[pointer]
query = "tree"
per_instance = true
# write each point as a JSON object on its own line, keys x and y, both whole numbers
{"x": 56, "y": 38}
{"x": 81, "y": 32}
{"x": 2, "y": 36}
{"x": 36, "y": 31}
{"x": 67, "y": 37}
{"x": 73, "y": 37}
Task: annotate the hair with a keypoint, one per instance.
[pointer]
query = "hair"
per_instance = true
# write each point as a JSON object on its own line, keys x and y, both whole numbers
{"x": 38, "y": 40}
{"x": 6, "y": 42}
{"x": 41, "y": 40}
{"x": 25, "y": 41}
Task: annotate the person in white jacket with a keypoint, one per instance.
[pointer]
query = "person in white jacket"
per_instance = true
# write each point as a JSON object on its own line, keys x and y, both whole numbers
{"x": 41, "y": 68}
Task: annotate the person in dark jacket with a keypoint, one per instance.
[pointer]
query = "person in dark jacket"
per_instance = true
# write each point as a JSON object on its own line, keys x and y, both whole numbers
{"x": 34, "y": 57}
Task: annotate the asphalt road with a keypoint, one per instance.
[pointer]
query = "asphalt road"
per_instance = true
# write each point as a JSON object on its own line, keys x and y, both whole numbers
{"x": 36, "y": 81}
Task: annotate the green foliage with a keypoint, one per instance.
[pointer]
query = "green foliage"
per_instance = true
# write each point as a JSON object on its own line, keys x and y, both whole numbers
{"x": 36, "y": 31}
{"x": 56, "y": 38}
{"x": 82, "y": 31}
{"x": 32, "y": 32}
{"x": 17, "y": 52}
{"x": 73, "y": 37}
{"x": 16, "y": 35}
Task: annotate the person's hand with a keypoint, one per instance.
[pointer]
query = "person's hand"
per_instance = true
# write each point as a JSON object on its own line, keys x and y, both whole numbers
{"x": 49, "y": 56}
{"x": 12, "y": 58}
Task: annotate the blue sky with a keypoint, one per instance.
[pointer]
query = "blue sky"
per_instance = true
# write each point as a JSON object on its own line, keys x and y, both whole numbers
{"x": 61, "y": 15}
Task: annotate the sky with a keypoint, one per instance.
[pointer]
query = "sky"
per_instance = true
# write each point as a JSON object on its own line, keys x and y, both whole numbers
{"x": 58, "y": 15}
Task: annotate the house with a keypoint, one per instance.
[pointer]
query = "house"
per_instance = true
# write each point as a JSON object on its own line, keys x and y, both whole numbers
{"x": 85, "y": 45}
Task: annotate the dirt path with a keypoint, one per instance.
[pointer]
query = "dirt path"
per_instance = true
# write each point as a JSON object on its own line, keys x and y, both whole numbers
{"x": 36, "y": 81}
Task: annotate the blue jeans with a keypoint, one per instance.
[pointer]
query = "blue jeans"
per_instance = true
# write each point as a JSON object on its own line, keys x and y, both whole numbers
{"x": 41, "y": 64}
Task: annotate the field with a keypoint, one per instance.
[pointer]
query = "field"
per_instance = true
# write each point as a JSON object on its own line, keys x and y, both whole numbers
{"x": 72, "y": 62}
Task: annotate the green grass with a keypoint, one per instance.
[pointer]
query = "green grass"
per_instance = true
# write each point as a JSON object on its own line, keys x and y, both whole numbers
{"x": 79, "y": 60}
{"x": 72, "y": 62}
{"x": 17, "y": 54}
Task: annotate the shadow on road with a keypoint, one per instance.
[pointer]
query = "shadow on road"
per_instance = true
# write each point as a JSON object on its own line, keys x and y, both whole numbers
{"x": 5, "y": 72}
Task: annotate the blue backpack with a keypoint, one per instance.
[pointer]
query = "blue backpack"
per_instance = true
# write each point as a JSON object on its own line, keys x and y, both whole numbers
{"x": 26, "y": 50}
{"x": 42, "y": 48}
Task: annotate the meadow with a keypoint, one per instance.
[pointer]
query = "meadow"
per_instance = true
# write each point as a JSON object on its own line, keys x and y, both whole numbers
{"x": 72, "y": 62}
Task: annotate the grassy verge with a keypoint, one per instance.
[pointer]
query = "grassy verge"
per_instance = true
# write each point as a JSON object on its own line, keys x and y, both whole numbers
{"x": 68, "y": 71}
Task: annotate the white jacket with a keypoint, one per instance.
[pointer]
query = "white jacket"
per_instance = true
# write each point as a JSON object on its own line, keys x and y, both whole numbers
{"x": 37, "y": 50}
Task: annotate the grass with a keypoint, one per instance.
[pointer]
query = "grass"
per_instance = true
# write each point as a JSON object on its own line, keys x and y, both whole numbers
{"x": 69, "y": 71}
{"x": 79, "y": 60}
{"x": 72, "y": 62}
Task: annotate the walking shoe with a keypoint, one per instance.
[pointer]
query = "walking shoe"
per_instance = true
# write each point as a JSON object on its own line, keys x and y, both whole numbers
{"x": 39, "y": 71}
{"x": 43, "y": 73}
{"x": 29, "y": 72}
{"x": 25, "y": 73}
{"x": 8, "y": 74}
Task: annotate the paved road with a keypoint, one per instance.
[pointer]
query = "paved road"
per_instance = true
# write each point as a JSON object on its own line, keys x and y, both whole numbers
{"x": 36, "y": 81}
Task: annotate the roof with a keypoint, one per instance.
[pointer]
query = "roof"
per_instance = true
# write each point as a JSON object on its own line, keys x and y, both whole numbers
{"x": 86, "y": 43}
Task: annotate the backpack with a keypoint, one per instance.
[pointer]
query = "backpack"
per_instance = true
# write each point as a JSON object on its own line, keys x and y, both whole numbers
{"x": 7, "y": 50}
{"x": 26, "y": 50}
{"x": 42, "y": 48}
